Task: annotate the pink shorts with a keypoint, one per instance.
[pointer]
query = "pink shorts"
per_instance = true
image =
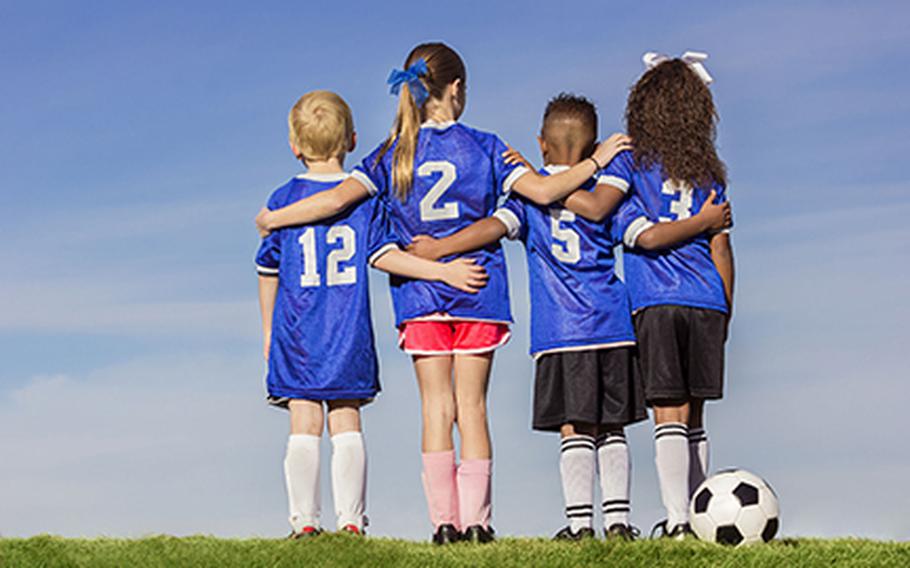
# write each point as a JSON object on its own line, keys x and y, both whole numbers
{"x": 451, "y": 337}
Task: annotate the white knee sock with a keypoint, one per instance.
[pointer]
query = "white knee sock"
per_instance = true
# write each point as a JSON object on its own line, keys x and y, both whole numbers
{"x": 615, "y": 466}
{"x": 699, "y": 452}
{"x": 576, "y": 467}
{"x": 672, "y": 457}
{"x": 301, "y": 474}
{"x": 349, "y": 476}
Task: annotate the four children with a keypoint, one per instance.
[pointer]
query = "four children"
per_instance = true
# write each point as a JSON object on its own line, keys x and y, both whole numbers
{"x": 450, "y": 192}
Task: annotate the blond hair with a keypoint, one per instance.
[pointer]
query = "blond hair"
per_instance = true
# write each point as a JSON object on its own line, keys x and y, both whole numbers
{"x": 320, "y": 126}
{"x": 444, "y": 66}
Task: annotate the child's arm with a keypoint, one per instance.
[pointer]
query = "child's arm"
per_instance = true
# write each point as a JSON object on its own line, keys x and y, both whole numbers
{"x": 597, "y": 204}
{"x": 268, "y": 290}
{"x": 317, "y": 207}
{"x": 544, "y": 190}
{"x": 711, "y": 217}
{"x": 461, "y": 273}
{"x": 477, "y": 235}
{"x": 722, "y": 255}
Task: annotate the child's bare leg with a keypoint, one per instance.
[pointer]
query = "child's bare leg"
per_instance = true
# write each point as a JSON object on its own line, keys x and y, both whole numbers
{"x": 434, "y": 377}
{"x": 301, "y": 464}
{"x": 349, "y": 464}
{"x": 671, "y": 441}
{"x": 437, "y": 399}
{"x": 699, "y": 449}
{"x": 472, "y": 373}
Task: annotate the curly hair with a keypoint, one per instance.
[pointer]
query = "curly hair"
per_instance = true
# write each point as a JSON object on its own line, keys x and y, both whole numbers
{"x": 671, "y": 119}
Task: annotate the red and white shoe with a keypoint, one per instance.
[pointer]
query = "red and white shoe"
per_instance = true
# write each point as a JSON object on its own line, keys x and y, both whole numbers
{"x": 352, "y": 529}
{"x": 306, "y": 532}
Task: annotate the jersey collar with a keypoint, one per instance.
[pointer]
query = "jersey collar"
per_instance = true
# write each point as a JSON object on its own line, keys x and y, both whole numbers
{"x": 555, "y": 168}
{"x": 437, "y": 125}
{"x": 313, "y": 176}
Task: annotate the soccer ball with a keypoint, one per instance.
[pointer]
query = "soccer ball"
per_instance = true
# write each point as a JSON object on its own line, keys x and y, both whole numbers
{"x": 734, "y": 507}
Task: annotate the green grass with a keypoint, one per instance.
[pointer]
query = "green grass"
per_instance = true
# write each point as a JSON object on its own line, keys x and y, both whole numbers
{"x": 344, "y": 550}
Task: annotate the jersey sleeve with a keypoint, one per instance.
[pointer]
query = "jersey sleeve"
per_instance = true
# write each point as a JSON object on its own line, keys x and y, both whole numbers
{"x": 371, "y": 172}
{"x": 618, "y": 172}
{"x": 380, "y": 238}
{"x": 268, "y": 257}
{"x": 505, "y": 175}
{"x": 630, "y": 221}
{"x": 512, "y": 214}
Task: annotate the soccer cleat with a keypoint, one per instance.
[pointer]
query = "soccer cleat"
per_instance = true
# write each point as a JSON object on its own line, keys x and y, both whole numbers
{"x": 446, "y": 534}
{"x": 567, "y": 534}
{"x": 478, "y": 534}
{"x": 619, "y": 531}
{"x": 306, "y": 532}
{"x": 352, "y": 529}
{"x": 678, "y": 532}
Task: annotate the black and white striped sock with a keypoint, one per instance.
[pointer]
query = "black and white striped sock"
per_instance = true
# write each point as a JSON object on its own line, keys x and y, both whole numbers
{"x": 671, "y": 442}
{"x": 615, "y": 469}
{"x": 576, "y": 467}
{"x": 699, "y": 452}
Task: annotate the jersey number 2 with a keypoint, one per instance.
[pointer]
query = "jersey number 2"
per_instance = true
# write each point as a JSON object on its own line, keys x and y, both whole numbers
{"x": 335, "y": 275}
{"x": 429, "y": 210}
{"x": 569, "y": 251}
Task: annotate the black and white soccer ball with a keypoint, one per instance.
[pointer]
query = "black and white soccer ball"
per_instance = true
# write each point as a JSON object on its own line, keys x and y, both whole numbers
{"x": 734, "y": 507}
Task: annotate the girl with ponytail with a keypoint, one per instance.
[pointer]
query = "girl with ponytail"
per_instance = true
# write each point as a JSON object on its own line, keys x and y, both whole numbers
{"x": 437, "y": 176}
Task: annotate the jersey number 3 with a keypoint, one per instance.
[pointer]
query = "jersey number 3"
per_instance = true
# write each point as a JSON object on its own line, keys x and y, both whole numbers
{"x": 430, "y": 210}
{"x": 335, "y": 275}
{"x": 681, "y": 204}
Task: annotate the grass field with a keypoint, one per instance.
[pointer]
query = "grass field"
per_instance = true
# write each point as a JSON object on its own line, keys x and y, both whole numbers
{"x": 343, "y": 550}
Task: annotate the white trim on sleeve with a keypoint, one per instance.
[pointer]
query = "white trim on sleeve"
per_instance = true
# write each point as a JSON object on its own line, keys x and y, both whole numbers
{"x": 513, "y": 177}
{"x": 366, "y": 181}
{"x": 266, "y": 270}
{"x": 382, "y": 250}
{"x": 616, "y": 181}
{"x": 635, "y": 229}
{"x": 510, "y": 220}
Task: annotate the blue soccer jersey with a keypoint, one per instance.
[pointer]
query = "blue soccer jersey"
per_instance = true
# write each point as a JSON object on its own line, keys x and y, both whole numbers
{"x": 322, "y": 337}
{"x": 684, "y": 274}
{"x": 459, "y": 176}
{"x": 577, "y": 301}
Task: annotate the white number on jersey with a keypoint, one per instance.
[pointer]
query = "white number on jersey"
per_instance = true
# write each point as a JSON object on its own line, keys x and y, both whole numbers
{"x": 307, "y": 240}
{"x": 336, "y": 277}
{"x": 569, "y": 250}
{"x": 428, "y": 208}
{"x": 347, "y": 275}
{"x": 680, "y": 205}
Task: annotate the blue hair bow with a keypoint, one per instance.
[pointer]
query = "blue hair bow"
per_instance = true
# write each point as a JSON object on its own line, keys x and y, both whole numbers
{"x": 411, "y": 76}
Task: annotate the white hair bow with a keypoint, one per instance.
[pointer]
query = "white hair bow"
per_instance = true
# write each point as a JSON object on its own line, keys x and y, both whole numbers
{"x": 693, "y": 59}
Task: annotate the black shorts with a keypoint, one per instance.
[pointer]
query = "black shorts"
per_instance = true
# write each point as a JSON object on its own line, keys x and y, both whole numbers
{"x": 680, "y": 353}
{"x": 595, "y": 386}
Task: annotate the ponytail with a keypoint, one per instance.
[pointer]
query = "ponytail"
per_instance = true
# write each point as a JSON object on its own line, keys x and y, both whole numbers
{"x": 433, "y": 66}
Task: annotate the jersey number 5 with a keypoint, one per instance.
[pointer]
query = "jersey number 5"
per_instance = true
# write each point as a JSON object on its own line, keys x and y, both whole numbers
{"x": 569, "y": 251}
{"x": 429, "y": 210}
{"x": 335, "y": 275}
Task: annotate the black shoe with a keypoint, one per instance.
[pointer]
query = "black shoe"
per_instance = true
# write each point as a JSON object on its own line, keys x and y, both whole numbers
{"x": 678, "y": 532}
{"x": 567, "y": 534}
{"x": 619, "y": 531}
{"x": 446, "y": 534}
{"x": 478, "y": 534}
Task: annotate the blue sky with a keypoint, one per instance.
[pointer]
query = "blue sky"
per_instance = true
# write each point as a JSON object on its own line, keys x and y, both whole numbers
{"x": 139, "y": 141}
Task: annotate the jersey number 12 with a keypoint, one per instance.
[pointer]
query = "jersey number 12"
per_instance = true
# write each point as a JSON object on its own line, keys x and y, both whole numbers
{"x": 335, "y": 275}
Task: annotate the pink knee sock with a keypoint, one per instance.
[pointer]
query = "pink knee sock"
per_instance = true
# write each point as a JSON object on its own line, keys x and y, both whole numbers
{"x": 440, "y": 487}
{"x": 474, "y": 492}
